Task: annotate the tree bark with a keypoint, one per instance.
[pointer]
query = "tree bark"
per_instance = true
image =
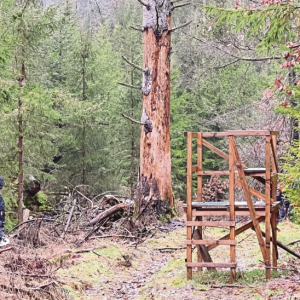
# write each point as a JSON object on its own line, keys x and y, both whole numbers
{"x": 155, "y": 152}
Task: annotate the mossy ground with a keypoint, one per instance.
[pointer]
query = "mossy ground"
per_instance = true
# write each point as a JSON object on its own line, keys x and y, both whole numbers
{"x": 157, "y": 274}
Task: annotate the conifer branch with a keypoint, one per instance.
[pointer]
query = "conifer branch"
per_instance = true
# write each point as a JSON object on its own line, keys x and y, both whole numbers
{"x": 132, "y": 64}
{"x": 130, "y": 86}
{"x": 181, "y": 5}
{"x": 132, "y": 120}
{"x": 180, "y": 26}
{"x": 137, "y": 29}
{"x": 143, "y": 3}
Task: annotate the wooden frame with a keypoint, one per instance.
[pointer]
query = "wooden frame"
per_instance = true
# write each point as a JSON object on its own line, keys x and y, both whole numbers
{"x": 237, "y": 178}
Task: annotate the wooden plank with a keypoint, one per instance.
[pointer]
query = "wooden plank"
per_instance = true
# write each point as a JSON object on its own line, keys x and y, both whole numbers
{"x": 189, "y": 201}
{"x": 202, "y": 251}
{"x": 210, "y": 223}
{"x": 232, "y": 211}
{"x": 274, "y": 132}
{"x": 274, "y": 177}
{"x": 235, "y": 133}
{"x": 202, "y": 173}
{"x": 211, "y": 265}
{"x": 210, "y": 213}
{"x": 200, "y": 167}
{"x": 194, "y": 169}
{"x": 249, "y": 132}
{"x": 215, "y": 150}
{"x": 248, "y": 213}
{"x": 274, "y": 239}
{"x": 253, "y": 191}
{"x": 222, "y": 213}
{"x": 238, "y": 164}
{"x": 214, "y": 134}
{"x": 267, "y": 207}
{"x": 237, "y": 232}
{"x": 275, "y": 167}
{"x": 210, "y": 242}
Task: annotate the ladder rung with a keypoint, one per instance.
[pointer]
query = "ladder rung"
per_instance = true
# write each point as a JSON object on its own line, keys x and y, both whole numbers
{"x": 196, "y": 213}
{"x": 211, "y": 224}
{"x": 210, "y": 265}
{"x": 211, "y": 242}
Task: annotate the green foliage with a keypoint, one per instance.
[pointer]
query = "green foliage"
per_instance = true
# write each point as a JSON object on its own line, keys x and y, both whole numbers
{"x": 272, "y": 25}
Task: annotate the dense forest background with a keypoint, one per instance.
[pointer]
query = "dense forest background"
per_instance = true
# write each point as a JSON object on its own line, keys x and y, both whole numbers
{"x": 62, "y": 108}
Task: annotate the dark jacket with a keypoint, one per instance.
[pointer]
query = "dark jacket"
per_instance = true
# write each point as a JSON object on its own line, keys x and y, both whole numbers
{"x": 2, "y": 204}
{"x": 2, "y": 209}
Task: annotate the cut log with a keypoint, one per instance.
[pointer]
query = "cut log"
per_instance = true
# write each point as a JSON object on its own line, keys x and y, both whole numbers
{"x": 107, "y": 213}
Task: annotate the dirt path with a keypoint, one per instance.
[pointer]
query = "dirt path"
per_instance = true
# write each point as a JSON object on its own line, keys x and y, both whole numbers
{"x": 149, "y": 273}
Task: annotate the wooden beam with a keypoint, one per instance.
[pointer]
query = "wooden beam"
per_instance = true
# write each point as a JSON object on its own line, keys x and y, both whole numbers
{"x": 237, "y": 232}
{"x": 215, "y": 150}
{"x": 202, "y": 173}
{"x": 200, "y": 167}
{"x": 210, "y": 242}
{"x": 267, "y": 207}
{"x": 210, "y": 223}
{"x": 232, "y": 211}
{"x": 282, "y": 246}
{"x": 253, "y": 191}
{"x": 189, "y": 187}
{"x": 274, "y": 239}
{"x": 211, "y": 265}
{"x": 247, "y": 193}
{"x": 209, "y": 213}
{"x": 275, "y": 167}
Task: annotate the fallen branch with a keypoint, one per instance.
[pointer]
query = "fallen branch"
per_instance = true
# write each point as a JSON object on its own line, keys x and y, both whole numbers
{"x": 107, "y": 213}
{"x": 6, "y": 249}
{"x": 170, "y": 248}
{"x": 282, "y": 246}
{"x": 69, "y": 218}
{"x": 292, "y": 243}
{"x": 114, "y": 235}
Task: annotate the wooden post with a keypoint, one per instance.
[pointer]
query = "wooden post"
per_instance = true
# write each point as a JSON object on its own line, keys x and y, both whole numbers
{"x": 199, "y": 190}
{"x": 267, "y": 207}
{"x": 274, "y": 238}
{"x": 242, "y": 176}
{"x": 189, "y": 197}
{"x": 274, "y": 194}
{"x": 231, "y": 211}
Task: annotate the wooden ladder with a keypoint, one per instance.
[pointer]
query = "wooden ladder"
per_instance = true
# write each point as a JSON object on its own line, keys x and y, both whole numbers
{"x": 236, "y": 169}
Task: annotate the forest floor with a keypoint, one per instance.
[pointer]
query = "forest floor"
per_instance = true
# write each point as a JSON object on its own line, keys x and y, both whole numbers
{"x": 155, "y": 269}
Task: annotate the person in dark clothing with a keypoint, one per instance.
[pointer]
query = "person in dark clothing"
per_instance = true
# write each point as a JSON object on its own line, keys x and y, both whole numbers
{"x": 2, "y": 212}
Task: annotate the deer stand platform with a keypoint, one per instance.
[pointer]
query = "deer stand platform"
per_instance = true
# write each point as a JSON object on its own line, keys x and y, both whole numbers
{"x": 265, "y": 210}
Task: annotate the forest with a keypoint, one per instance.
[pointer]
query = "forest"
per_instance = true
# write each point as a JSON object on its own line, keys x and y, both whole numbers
{"x": 95, "y": 99}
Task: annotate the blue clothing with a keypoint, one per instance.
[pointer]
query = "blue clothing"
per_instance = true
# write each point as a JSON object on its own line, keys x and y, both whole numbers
{"x": 2, "y": 204}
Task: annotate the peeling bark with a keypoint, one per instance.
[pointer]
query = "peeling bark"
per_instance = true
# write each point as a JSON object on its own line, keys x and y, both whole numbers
{"x": 155, "y": 152}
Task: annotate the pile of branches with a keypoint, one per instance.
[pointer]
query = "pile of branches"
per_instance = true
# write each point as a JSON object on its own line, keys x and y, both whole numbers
{"x": 215, "y": 189}
{"x": 28, "y": 276}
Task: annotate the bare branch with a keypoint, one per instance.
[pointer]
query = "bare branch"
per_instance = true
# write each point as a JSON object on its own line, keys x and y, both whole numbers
{"x": 181, "y": 26}
{"x": 130, "y": 86}
{"x": 137, "y": 29}
{"x": 181, "y": 5}
{"x": 143, "y": 3}
{"x": 132, "y": 120}
{"x": 132, "y": 64}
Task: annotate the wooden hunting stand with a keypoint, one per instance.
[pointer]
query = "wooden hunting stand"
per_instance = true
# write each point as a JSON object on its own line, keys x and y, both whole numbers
{"x": 265, "y": 210}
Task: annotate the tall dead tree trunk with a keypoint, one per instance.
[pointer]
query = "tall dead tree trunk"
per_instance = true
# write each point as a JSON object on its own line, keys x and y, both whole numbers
{"x": 155, "y": 153}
